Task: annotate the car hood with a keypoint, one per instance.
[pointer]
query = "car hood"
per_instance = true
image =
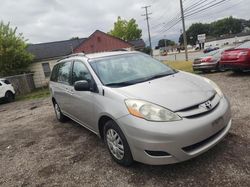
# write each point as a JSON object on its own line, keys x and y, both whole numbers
{"x": 175, "y": 92}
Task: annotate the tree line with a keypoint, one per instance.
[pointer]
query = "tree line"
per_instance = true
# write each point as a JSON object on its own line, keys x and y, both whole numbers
{"x": 215, "y": 29}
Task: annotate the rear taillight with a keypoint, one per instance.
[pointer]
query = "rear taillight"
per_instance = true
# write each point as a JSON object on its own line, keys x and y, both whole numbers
{"x": 207, "y": 59}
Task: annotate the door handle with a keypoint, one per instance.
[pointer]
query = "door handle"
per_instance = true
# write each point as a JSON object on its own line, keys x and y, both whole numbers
{"x": 69, "y": 91}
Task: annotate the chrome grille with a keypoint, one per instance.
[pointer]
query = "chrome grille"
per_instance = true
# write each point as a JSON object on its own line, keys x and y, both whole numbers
{"x": 201, "y": 108}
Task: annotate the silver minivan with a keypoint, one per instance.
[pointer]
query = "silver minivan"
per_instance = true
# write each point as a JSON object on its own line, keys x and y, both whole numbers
{"x": 143, "y": 110}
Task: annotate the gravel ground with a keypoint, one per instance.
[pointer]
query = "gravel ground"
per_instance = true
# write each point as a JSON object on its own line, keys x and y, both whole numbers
{"x": 36, "y": 150}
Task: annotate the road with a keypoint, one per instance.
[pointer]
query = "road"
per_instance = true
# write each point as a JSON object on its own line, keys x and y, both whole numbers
{"x": 37, "y": 150}
{"x": 179, "y": 56}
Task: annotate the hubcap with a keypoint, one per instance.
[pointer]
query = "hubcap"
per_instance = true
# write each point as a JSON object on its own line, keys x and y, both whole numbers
{"x": 57, "y": 110}
{"x": 115, "y": 144}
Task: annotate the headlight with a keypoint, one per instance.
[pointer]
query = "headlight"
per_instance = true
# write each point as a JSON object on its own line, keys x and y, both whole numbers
{"x": 215, "y": 86}
{"x": 149, "y": 111}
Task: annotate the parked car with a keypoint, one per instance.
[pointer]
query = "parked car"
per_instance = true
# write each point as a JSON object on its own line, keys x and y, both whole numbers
{"x": 209, "y": 61}
{"x": 209, "y": 49}
{"x": 142, "y": 109}
{"x": 237, "y": 59}
{"x": 7, "y": 91}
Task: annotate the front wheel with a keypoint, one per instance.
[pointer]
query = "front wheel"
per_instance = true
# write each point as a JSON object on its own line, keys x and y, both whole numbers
{"x": 59, "y": 115}
{"x": 9, "y": 96}
{"x": 117, "y": 144}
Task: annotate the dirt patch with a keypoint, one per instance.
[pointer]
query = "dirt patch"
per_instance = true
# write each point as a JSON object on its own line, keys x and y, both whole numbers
{"x": 36, "y": 150}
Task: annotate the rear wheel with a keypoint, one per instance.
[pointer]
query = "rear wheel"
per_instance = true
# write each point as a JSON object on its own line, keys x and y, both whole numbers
{"x": 117, "y": 144}
{"x": 59, "y": 115}
{"x": 220, "y": 68}
{"x": 206, "y": 71}
{"x": 237, "y": 71}
{"x": 9, "y": 96}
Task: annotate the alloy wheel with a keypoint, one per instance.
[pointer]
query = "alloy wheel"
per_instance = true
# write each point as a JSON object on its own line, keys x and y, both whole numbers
{"x": 115, "y": 144}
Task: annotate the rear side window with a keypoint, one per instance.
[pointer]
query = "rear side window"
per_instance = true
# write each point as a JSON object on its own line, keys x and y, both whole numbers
{"x": 54, "y": 73}
{"x": 64, "y": 72}
{"x": 6, "y": 82}
{"x": 244, "y": 45}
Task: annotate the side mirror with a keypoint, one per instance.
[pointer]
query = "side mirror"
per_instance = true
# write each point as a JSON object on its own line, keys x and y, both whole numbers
{"x": 82, "y": 85}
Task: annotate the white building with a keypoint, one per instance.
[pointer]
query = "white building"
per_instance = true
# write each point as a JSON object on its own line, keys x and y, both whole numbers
{"x": 221, "y": 42}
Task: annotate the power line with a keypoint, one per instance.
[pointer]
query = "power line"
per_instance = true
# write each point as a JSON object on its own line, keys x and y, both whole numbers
{"x": 196, "y": 12}
{"x": 224, "y": 8}
{"x": 177, "y": 17}
{"x": 206, "y": 8}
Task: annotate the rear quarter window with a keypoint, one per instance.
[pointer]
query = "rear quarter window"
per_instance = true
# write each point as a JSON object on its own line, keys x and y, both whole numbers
{"x": 6, "y": 82}
{"x": 54, "y": 74}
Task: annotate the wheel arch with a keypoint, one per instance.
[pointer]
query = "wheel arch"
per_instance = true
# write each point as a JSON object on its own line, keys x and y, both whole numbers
{"x": 53, "y": 100}
{"x": 101, "y": 122}
{"x": 9, "y": 91}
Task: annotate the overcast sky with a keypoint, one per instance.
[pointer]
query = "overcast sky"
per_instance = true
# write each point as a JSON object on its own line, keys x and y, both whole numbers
{"x": 52, "y": 20}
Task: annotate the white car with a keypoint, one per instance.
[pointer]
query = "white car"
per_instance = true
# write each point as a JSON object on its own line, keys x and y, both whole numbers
{"x": 7, "y": 91}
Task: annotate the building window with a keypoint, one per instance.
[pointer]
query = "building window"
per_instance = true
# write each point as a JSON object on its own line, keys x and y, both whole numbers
{"x": 46, "y": 69}
{"x": 98, "y": 38}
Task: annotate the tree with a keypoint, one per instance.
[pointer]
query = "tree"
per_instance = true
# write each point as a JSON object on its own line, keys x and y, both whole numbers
{"x": 146, "y": 50}
{"x": 194, "y": 30}
{"x": 224, "y": 26}
{"x": 227, "y": 26}
{"x": 126, "y": 30}
{"x": 14, "y": 58}
{"x": 168, "y": 42}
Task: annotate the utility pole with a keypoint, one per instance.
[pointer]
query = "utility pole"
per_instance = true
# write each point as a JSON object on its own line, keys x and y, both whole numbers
{"x": 149, "y": 37}
{"x": 184, "y": 30}
{"x": 165, "y": 42}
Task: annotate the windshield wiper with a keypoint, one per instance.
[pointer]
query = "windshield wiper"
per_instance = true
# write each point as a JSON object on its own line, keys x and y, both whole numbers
{"x": 120, "y": 84}
{"x": 158, "y": 76}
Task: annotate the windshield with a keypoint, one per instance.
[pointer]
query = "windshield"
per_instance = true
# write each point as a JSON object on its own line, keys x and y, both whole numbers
{"x": 129, "y": 69}
{"x": 212, "y": 53}
{"x": 244, "y": 45}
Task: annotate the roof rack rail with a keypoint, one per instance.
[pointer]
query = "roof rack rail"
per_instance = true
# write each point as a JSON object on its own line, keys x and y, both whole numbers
{"x": 71, "y": 55}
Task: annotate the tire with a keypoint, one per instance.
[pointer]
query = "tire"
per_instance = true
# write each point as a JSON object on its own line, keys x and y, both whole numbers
{"x": 117, "y": 144}
{"x": 9, "y": 96}
{"x": 237, "y": 71}
{"x": 59, "y": 115}
{"x": 206, "y": 71}
{"x": 220, "y": 68}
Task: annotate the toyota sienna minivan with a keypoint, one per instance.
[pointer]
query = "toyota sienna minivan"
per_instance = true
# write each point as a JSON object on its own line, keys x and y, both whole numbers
{"x": 144, "y": 110}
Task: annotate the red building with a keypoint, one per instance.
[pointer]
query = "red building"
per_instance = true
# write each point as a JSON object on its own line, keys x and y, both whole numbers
{"x": 100, "y": 42}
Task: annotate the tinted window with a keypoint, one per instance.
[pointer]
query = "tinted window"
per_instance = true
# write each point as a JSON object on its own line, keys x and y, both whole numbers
{"x": 244, "y": 45}
{"x": 0, "y": 84}
{"x": 6, "y": 82}
{"x": 80, "y": 72}
{"x": 64, "y": 72}
{"x": 46, "y": 69}
{"x": 54, "y": 73}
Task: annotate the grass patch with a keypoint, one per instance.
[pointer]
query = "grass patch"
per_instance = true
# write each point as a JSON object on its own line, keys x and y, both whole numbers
{"x": 180, "y": 65}
{"x": 35, "y": 94}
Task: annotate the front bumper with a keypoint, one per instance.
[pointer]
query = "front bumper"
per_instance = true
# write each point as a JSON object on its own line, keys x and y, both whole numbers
{"x": 182, "y": 140}
{"x": 204, "y": 66}
{"x": 236, "y": 66}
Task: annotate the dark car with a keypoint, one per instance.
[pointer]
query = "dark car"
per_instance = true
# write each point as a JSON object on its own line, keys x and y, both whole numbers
{"x": 237, "y": 59}
{"x": 209, "y": 61}
{"x": 209, "y": 49}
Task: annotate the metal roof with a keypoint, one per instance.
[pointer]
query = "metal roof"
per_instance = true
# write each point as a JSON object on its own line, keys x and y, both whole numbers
{"x": 54, "y": 49}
